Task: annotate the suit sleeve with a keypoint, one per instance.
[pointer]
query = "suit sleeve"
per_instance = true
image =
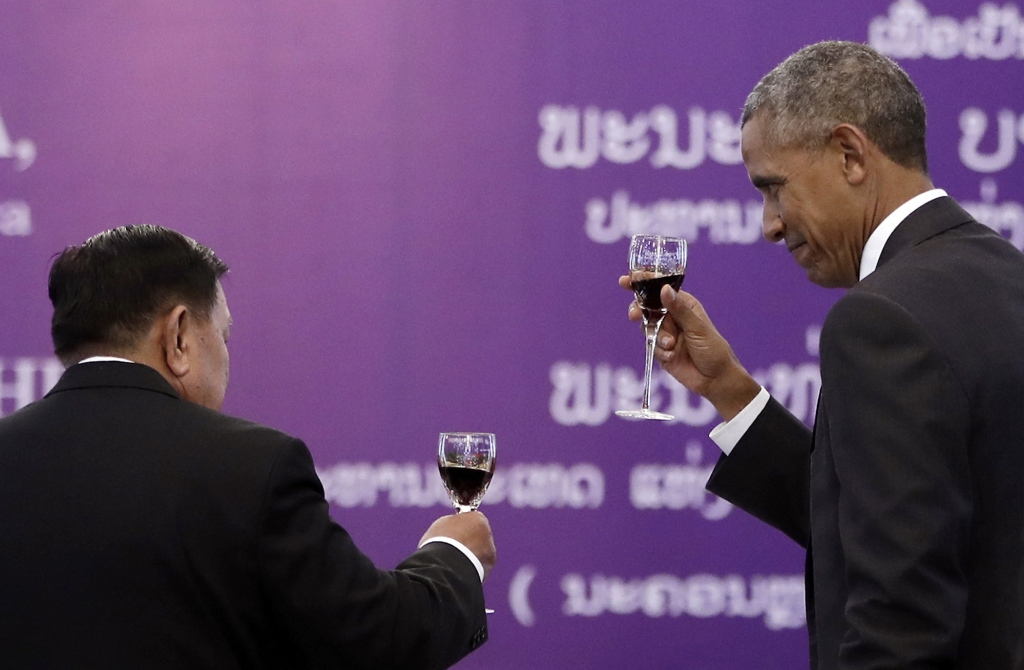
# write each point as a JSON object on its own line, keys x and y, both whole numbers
{"x": 898, "y": 426}
{"x": 768, "y": 472}
{"x": 342, "y": 610}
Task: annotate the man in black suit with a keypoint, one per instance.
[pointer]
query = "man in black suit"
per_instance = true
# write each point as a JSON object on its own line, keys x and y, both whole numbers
{"x": 142, "y": 528}
{"x": 909, "y": 492}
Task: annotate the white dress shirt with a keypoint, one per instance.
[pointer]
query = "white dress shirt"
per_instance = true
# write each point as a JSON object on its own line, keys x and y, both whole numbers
{"x": 728, "y": 433}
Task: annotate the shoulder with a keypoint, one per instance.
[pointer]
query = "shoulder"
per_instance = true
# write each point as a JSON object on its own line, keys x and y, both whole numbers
{"x": 871, "y": 318}
{"x": 227, "y": 426}
{"x": 941, "y": 278}
{"x": 201, "y": 444}
{"x": 954, "y": 263}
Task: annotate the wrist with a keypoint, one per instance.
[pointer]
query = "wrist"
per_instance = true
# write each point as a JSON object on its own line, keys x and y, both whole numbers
{"x": 733, "y": 391}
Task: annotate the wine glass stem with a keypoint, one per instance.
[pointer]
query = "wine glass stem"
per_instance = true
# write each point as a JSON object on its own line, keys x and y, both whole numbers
{"x": 651, "y": 328}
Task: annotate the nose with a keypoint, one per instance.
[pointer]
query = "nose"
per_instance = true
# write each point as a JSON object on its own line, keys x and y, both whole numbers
{"x": 772, "y": 226}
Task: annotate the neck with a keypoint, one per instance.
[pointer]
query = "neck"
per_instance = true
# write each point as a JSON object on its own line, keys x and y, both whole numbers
{"x": 145, "y": 352}
{"x": 896, "y": 185}
{"x": 90, "y": 352}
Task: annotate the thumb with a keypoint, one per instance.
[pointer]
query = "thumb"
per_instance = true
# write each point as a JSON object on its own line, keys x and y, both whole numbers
{"x": 685, "y": 310}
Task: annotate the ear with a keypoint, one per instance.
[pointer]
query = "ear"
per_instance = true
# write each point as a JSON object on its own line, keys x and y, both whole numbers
{"x": 176, "y": 338}
{"x": 855, "y": 146}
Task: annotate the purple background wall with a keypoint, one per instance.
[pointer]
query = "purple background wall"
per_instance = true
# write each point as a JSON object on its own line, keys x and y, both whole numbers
{"x": 426, "y": 206}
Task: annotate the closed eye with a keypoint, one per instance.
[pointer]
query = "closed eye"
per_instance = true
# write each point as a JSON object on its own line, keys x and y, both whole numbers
{"x": 768, "y": 185}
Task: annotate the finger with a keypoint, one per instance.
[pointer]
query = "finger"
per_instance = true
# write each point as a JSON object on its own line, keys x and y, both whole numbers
{"x": 624, "y": 282}
{"x": 669, "y": 327}
{"x": 694, "y": 305}
{"x": 667, "y": 335}
{"x": 634, "y": 312}
{"x": 686, "y": 311}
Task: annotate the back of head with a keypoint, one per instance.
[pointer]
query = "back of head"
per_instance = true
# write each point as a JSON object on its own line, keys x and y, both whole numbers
{"x": 826, "y": 84}
{"x": 107, "y": 291}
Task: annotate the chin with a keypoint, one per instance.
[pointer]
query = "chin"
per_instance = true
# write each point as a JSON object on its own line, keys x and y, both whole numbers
{"x": 827, "y": 280}
{"x": 832, "y": 282}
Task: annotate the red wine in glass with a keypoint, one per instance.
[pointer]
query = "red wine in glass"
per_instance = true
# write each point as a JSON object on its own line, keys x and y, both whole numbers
{"x": 466, "y": 463}
{"x": 466, "y": 486}
{"x": 654, "y": 262}
{"x": 648, "y": 293}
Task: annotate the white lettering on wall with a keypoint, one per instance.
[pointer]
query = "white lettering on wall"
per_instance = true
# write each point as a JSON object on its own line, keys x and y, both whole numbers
{"x": 779, "y": 599}
{"x": 23, "y": 151}
{"x": 26, "y": 379}
{"x": 585, "y": 394}
{"x": 795, "y": 386}
{"x": 15, "y": 218}
{"x": 722, "y": 221}
{"x": 521, "y": 485}
{"x": 519, "y": 595}
{"x": 15, "y": 215}
{"x": 541, "y": 486}
{"x": 908, "y": 31}
{"x": 677, "y": 486}
{"x": 1006, "y": 218}
{"x": 1009, "y": 130}
{"x": 812, "y": 339}
{"x": 360, "y": 484}
{"x": 571, "y": 138}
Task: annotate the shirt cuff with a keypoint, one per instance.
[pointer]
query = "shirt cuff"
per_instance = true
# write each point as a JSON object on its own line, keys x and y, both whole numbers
{"x": 461, "y": 547}
{"x": 728, "y": 433}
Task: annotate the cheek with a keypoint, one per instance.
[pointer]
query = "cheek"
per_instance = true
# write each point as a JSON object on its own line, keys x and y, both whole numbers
{"x": 225, "y": 360}
{"x": 788, "y": 208}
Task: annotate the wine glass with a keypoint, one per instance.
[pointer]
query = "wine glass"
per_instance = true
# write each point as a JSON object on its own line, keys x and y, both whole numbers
{"x": 466, "y": 462}
{"x": 654, "y": 261}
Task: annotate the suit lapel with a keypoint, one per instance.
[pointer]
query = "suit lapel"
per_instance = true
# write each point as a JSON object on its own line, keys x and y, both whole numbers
{"x": 932, "y": 218}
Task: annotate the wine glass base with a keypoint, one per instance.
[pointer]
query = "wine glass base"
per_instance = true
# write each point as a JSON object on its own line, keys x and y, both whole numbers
{"x": 643, "y": 414}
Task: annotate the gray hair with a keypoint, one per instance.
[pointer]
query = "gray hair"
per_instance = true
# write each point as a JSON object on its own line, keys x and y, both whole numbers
{"x": 829, "y": 83}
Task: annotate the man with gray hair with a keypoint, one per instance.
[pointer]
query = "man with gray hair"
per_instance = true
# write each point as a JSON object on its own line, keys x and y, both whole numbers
{"x": 908, "y": 492}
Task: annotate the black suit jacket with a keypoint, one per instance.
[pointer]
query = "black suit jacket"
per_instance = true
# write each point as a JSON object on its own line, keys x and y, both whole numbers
{"x": 910, "y": 494}
{"x": 139, "y": 530}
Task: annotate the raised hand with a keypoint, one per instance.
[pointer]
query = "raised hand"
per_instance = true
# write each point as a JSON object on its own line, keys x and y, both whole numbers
{"x": 691, "y": 349}
{"x": 471, "y": 529}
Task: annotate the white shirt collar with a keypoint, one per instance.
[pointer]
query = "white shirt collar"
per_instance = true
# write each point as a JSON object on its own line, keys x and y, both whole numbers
{"x": 101, "y": 359}
{"x": 880, "y": 235}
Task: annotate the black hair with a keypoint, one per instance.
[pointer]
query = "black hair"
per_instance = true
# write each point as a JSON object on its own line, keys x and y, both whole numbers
{"x": 108, "y": 290}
